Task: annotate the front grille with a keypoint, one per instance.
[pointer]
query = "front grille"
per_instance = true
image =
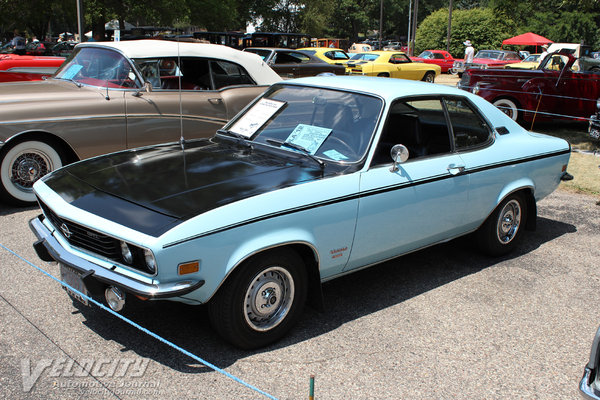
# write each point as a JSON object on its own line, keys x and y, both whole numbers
{"x": 84, "y": 238}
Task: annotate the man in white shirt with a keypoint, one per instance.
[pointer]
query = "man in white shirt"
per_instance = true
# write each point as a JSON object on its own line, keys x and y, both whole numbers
{"x": 469, "y": 52}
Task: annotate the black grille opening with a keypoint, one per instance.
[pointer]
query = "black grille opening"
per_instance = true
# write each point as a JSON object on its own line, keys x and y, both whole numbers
{"x": 90, "y": 240}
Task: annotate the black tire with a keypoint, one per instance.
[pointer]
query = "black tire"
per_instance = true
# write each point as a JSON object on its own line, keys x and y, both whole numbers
{"x": 503, "y": 229}
{"x": 429, "y": 77}
{"x": 21, "y": 164}
{"x": 239, "y": 311}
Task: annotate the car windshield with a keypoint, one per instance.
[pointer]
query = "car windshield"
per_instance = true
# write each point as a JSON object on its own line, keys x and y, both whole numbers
{"x": 426, "y": 54}
{"x": 533, "y": 57}
{"x": 264, "y": 54}
{"x": 365, "y": 57}
{"x": 98, "y": 67}
{"x": 329, "y": 124}
{"x": 492, "y": 55}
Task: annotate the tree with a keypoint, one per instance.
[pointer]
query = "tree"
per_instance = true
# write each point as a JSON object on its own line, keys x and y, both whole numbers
{"x": 482, "y": 26}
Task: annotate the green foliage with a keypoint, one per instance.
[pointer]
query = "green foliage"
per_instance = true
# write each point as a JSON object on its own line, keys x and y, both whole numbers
{"x": 484, "y": 28}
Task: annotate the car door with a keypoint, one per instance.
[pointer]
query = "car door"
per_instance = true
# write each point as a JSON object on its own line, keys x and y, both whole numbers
{"x": 424, "y": 200}
{"x": 404, "y": 68}
{"x": 165, "y": 113}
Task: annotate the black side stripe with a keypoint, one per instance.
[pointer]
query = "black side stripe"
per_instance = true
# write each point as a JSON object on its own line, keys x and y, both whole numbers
{"x": 373, "y": 192}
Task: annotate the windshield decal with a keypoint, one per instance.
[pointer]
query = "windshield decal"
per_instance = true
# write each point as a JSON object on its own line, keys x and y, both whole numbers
{"x": 256, "y": 117}
{"x": 71, "y": 71}
{"x": 308, "y": 136}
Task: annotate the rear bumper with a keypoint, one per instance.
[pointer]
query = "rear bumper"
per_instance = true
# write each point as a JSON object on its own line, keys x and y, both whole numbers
{"x": 49, "y": 249}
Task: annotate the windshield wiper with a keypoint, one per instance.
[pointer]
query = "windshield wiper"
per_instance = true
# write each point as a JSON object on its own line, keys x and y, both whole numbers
{"x": 300, "y": 149}
{"x": 241, "y": 138}
{"x": 71, "y": 80}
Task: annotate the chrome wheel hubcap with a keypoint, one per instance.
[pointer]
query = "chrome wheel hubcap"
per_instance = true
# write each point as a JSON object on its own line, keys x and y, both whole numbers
{"x": 27, "y": 168}
{"x": 269, "y": 298}
{"x": 509, "y": 222}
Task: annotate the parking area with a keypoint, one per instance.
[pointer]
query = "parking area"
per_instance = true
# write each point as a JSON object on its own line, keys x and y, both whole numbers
{"x": 444, "y": 323}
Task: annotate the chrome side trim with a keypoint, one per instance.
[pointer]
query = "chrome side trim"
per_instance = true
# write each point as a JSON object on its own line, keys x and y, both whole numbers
{"x": 60, "y": 254}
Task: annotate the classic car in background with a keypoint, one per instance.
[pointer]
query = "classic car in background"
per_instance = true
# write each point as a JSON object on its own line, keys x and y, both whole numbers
{"x": 293, "y": 63}
{"x": 317, "y": 178}
{"x": 589, "y": 386}
{"x": 360, "y": 48}
{"x": 532, "y": 61}
{"x": 14, "y": 67}
{"x": 391, "y": 64}
{"x": 327, "y": 54}
{"x": 111, "y": 96}
{"x": 552, "y": 91}
{"x": 485, "y": 59}
{"x": 594, "y": 127}
{"x": 437, "y": 57}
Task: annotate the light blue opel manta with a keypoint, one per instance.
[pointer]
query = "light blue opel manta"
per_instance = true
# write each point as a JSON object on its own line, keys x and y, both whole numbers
{"x": 317, "y": 178}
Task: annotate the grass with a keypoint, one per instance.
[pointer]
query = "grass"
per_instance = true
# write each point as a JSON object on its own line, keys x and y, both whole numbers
{"x": 583, "y": 164}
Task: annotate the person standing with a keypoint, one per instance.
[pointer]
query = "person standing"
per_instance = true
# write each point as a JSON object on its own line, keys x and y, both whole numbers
{"x": 469, "y": 53}
{"x": 18, "y": 43}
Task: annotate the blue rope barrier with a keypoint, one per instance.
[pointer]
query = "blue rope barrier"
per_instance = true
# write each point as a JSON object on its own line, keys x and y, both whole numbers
{"x": 141, "y": 328}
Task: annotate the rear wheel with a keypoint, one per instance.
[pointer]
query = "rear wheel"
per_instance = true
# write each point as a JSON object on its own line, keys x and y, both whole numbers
{"x": 383, "y": 74}
{"x": 502, "y": 230}
{"x": 21, "y": 165}
{"x": 262, "y": 299}
{"x": 508, "y": 107}
{"x": 429, "y": 77}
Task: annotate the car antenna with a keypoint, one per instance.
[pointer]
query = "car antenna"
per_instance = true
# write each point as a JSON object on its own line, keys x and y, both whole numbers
{"x": 181, "y": 138}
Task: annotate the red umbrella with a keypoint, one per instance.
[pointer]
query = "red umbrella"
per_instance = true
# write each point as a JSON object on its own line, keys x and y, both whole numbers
{"x": 527, "y": 39}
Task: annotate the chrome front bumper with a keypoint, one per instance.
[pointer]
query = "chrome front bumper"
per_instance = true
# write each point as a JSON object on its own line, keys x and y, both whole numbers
{"x": 585, "y": 387}
{"x": 49, "y": 249}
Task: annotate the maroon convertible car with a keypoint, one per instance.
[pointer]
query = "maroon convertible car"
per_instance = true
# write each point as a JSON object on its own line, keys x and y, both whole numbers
{"x": 563, "y": 86}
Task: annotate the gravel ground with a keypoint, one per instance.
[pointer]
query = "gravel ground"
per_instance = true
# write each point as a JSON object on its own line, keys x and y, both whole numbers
{"x": 444, "y": 323}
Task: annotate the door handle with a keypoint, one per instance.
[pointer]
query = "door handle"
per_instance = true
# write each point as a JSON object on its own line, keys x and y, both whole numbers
{"x": 454, "y": 169}
{"x": 215, "y": 101}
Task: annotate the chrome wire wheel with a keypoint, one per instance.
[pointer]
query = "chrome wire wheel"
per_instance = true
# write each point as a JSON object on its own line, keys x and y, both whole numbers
{"x": 22, "y": 165}
{"x": 509, "y": 221}
{"x": 269, "y": 298}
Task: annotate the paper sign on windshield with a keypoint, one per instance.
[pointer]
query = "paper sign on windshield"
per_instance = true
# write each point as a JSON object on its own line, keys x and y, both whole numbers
{"x": 256, "y": 117}
{"x": 72, "y": 71}
{"x": 308, "y": 136}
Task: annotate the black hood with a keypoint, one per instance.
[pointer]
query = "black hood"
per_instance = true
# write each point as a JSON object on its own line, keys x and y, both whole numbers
{"x": 171, "y": 184}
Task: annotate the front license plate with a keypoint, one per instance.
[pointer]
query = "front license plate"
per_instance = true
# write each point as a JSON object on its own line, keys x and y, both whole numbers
{"x": 73, "y": 279}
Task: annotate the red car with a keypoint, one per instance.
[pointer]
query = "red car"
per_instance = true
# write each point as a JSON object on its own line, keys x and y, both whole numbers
{"x": 437, "y": 57}
{"x": 562, "y": 87}
{"x": 485, "y": 59}
{"x": 27, "y": 68}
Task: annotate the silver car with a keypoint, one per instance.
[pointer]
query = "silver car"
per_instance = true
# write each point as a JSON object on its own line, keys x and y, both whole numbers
{"x": 111, "y": 96}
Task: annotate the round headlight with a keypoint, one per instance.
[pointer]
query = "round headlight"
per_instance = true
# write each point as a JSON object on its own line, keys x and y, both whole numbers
{"x": 598, "y": 104}
{"x": 150, "y": 262}
{"x": 126, "y": 253}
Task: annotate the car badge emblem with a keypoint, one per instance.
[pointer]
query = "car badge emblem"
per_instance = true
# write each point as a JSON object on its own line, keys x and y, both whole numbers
{"x": 65, "y": 230}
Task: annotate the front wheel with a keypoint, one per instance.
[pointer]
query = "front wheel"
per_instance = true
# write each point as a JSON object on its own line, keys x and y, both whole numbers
{"x": 429, "y": 77}
{"x": 501, "y": 231}
{"x": 508, "y": 107}
{"x": 261, "y": 300}
{"x": 22, "y": 165}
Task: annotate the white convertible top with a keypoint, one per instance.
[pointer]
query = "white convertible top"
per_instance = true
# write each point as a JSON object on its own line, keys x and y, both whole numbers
{"x": 150, "y": 48}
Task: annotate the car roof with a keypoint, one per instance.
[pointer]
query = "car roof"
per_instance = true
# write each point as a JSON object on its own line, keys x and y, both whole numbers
{"x": 149, "y": 48}
{"x": 387, "y": 88}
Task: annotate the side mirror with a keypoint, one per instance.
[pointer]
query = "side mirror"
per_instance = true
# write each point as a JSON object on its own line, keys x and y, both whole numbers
{"x": 148, "y": 87}
{"x": 399, "y": 154}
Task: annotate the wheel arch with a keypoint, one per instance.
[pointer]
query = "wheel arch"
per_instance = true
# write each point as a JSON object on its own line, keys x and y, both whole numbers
{"x": 303, "y": 248}
{"x": 44, "y": 136}
{"x": 526, "y": 188}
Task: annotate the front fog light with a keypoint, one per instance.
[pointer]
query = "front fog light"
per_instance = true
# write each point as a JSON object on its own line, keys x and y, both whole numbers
{"x": 126, "y": 253}
{"x": 150, "y": 261}
{"x": 115, "y": 298}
